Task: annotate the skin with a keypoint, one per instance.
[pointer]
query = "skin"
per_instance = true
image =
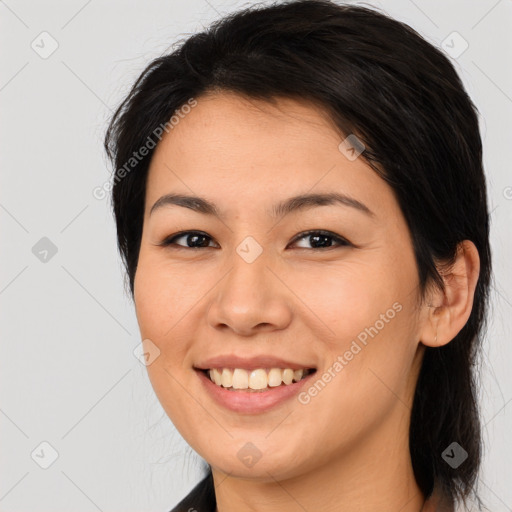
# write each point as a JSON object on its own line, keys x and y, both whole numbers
{"x": 348, "y": 447}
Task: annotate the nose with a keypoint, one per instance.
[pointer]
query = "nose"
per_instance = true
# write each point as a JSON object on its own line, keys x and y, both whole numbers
{"x": 251, "y": 298}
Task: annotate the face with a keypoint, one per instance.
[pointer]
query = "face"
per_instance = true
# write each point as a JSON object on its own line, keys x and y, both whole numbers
{"x": 327, "y": 286}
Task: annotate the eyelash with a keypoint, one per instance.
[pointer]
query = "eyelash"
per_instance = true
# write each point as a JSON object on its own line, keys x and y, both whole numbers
{"x": 169, "y": 241}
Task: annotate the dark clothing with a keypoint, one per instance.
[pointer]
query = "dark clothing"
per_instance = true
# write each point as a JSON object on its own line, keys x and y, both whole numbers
{"x": 200, "y": 499}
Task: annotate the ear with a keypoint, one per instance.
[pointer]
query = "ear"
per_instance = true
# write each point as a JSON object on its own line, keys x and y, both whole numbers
{"x": 448, "y": 311}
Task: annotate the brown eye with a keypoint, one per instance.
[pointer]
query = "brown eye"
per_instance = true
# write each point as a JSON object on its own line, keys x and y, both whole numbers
{"x": 193, "y": 240}
{"x": 321, "y": 239}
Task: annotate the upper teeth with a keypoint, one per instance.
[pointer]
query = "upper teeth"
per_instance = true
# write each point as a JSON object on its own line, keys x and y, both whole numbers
{"x": 255, "y": 379}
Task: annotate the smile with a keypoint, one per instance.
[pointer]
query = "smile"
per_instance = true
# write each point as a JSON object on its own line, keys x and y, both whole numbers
{"x": 259, "y": 390}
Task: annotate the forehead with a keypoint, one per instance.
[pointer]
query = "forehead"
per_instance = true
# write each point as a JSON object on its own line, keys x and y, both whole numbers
{"x": 247, "y": 150}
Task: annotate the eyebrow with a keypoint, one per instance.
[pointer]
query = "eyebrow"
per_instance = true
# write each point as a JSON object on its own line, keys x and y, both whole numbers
{"x": 292, "y": 204}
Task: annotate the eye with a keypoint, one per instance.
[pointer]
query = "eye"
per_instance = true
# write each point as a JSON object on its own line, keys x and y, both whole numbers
{"x": 194, "y": 240}
{"x": 197, "y": 239}
{"x": 320, "y": 239}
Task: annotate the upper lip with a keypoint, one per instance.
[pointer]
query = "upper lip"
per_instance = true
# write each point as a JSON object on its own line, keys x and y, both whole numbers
{"x": 249, "y": 363}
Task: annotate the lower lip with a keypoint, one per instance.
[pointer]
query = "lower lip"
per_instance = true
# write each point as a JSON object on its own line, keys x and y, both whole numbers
{"x": 251, "y": 402}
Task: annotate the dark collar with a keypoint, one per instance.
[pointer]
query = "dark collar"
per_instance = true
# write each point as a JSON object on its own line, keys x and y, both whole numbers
{"x": 200, "y": 499}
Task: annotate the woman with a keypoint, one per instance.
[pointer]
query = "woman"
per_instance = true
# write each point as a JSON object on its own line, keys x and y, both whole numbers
{"x": 301, "y": 210}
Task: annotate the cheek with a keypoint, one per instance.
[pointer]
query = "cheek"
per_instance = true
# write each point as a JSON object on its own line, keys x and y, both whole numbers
{"x": 364, "y": 319}
{"x": 365, "y": 378}
{"x": 160, "y": 295}
{"x": 341, "y": 301}
{"x": 158, "y": 308}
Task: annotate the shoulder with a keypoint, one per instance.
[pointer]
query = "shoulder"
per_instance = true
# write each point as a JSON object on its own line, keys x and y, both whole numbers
{"x": 200, "y": 499}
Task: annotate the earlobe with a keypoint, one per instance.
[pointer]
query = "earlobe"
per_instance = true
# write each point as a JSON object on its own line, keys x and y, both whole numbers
{"x": 448, "y": 312}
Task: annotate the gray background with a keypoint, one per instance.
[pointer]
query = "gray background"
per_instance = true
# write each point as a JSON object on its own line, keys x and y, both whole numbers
{"x": 68, "y": 375}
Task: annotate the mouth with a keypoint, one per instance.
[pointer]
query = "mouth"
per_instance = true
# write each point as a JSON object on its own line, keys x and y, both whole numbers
{"x": 253, "y": 391}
